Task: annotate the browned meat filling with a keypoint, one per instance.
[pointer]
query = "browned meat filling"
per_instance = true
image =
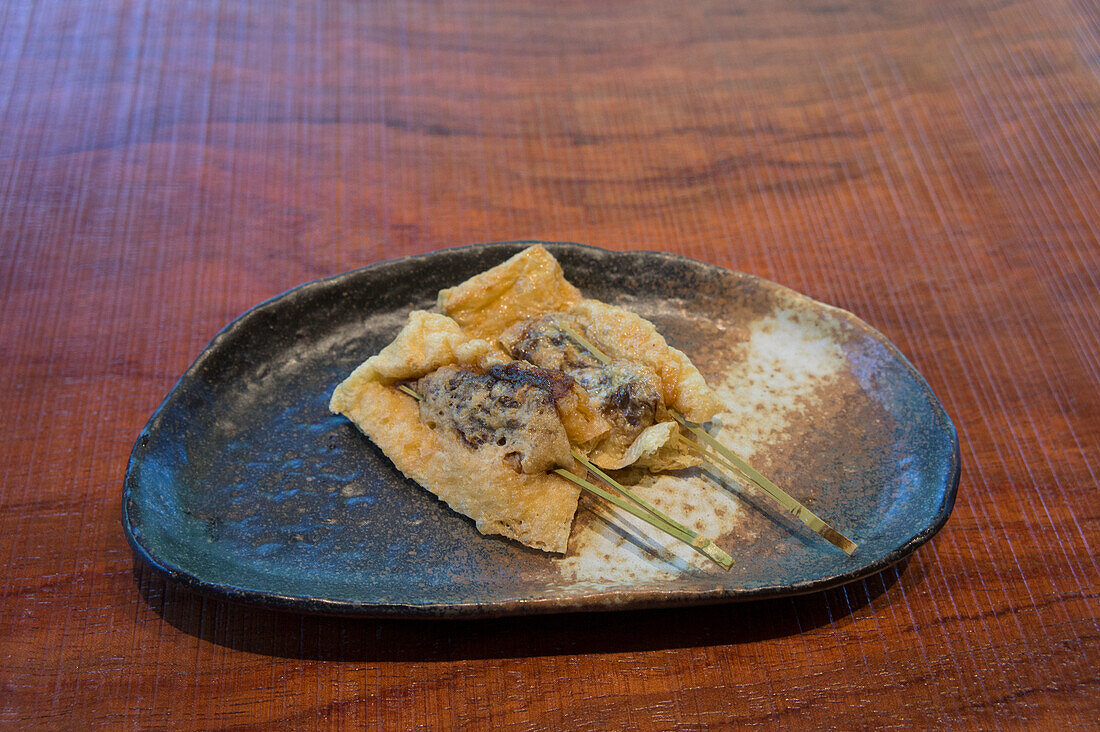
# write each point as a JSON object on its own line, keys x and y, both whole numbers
{"x": 510, "y": 406}
{"x": 627, "y": 393}
{"x": 519, "y": 373}
{"x": 543, "y": 342}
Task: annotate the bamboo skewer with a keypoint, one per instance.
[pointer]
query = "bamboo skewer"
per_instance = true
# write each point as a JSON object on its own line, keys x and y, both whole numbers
{"x": 727, "y": 459}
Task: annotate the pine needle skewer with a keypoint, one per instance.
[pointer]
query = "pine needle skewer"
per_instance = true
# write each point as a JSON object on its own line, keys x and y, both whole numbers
{"x": 648, "y": 514}
{"x": 726, "y": 458}
{"x": 699, "y": 542}
{"x": 410, "y": 392}
{"x": 586, "y": 344}
{"x": 642, "y": 510}
{"x": 624, "y": 504}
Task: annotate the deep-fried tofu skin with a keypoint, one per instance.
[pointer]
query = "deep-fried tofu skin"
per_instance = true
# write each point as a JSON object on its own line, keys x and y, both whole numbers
{"x": 478, "y": 481}
{"x": 632, "y": 393}
{"x": 626, "y": 335}
{"x": 530, "y": 283}
{"x": 507, "y": 389}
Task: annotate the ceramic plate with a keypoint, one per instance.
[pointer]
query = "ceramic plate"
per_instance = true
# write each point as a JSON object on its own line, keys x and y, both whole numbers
{"x": 243, "y": 484}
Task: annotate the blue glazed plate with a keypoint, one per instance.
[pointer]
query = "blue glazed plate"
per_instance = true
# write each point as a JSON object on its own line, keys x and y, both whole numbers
{"x": 244, "y": 486}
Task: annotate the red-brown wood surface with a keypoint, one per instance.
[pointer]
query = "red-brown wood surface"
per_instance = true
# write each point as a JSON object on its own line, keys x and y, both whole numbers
{"x": 930, "y": 166}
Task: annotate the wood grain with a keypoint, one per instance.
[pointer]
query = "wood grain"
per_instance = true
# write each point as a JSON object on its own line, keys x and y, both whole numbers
{"x": 931, "y": 166}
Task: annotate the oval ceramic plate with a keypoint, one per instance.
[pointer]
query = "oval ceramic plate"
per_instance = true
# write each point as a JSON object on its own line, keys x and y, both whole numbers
{"x": 243, "y": 484}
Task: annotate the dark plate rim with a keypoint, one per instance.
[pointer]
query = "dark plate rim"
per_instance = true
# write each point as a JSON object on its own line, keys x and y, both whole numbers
{"x": 594, "y": 601}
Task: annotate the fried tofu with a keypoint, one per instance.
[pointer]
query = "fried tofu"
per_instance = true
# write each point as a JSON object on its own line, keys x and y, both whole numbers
{"x": 535, "y": 509}
{"x": 620, "y": 378}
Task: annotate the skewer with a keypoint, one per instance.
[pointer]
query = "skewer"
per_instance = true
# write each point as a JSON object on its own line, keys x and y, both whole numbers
{"x": 585, "y": 343}
{"x": 638, "y": 508}
{"x": 722, "y": 457}
{"x": 651, "y": 516}
{"x": 727, "y": 459}
{"x": 410, "y": 392}
{"x": 701, "y": 543}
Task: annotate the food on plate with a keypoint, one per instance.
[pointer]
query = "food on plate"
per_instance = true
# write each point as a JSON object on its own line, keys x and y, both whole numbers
{"x": 517, "y": 376}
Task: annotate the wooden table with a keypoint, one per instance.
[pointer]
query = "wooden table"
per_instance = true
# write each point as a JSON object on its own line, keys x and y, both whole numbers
{"x": 928, "y": 166}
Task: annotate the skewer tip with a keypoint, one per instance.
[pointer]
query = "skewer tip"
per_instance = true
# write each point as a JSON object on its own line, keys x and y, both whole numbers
{"x": 839, "y": 540}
